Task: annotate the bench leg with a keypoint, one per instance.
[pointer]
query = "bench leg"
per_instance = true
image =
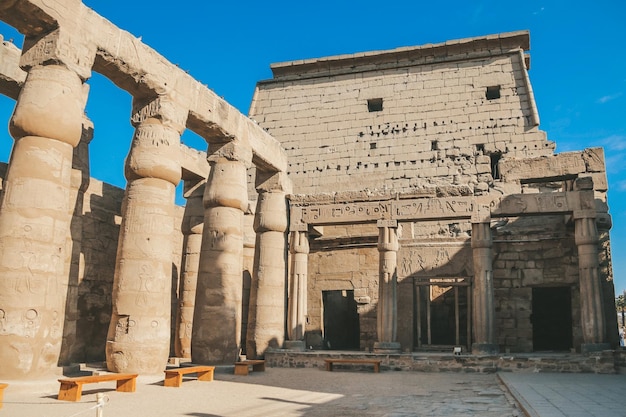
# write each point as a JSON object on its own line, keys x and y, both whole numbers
{"x": 329, "y": 366}
{"x": 70, "y": 392}
{"x": 376, "y": 367}
{"x": 241, "y": 369}
{"x": 173, "y": 379}
{"x": 258, "y": 367}
{"x": 126, "y": 385}
{"x": 205, "y": 375}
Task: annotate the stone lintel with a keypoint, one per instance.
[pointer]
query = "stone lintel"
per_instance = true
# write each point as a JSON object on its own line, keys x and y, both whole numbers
{"x": 12, "y": 77}
{"x": 164, "y": 108}
{"x": 530, "y": 204}
{"x": 193, "y": 163}
{"x": 557, "y": 167}
{"x": 272, "y": 182}
{"x": 584, "y": 214}
{"x": 232, "y": 151}
{"x": 81, "y": 39}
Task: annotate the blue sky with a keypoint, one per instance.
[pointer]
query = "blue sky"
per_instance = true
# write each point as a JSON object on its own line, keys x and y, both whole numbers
{"x": 578, "y": 61}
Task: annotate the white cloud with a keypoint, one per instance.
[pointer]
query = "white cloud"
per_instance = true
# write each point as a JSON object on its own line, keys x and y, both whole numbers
{"x": 605, "y": 99}
{"x": 615, "y": 142}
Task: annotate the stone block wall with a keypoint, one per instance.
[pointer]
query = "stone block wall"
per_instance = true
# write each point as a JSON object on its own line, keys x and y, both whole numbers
{"x": 428, "y": 122}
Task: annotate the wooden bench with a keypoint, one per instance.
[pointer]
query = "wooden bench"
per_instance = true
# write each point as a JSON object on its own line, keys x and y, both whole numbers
{"x": 72, "y": 388}
{"x": 375, "y": 362}
{"x": 243, "y": 367}
{"x": 174, "y": 377}
{"x": 2, "y": 387}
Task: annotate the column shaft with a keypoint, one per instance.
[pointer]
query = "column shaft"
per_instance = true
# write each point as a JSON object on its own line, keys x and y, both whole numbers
{"x": 193, "y": 223}
{"x": 591, "y": 298}
{"x": 217, "y": 317}
{"x": 139, "y": 332}
{"x": 266, "y": 319}
{"x": 483, "y": 317}
{"x": 387, "y": 317}
{"x": 296, "y": 318}
{"x": 35, "y": 217}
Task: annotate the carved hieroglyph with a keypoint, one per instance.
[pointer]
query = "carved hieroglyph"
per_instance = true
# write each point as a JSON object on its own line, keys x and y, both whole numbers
{"x": 34, "y": 221}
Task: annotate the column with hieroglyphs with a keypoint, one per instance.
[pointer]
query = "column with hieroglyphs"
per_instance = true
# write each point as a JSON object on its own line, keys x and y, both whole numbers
{"x": 216, "y": 334}
{"x": 483, "y": 317}
{"x": 591, "y": 296}
{"x": 35, "y": 213}
{"x": 297, "y": 302}
{"x": 193, "y": 223}
{"x": 139, "y": 332}
{"x": 387, "y": 312}
{"x": 266, "y": 317}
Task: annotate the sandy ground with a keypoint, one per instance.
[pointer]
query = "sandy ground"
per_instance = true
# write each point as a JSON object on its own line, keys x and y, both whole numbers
{"x": 277, "y": 392}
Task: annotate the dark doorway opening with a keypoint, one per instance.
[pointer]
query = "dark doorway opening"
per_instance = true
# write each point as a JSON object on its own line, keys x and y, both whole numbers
{"x": 442, "y": 313}
{"x": 552, "y": 318}
{"x": 341, "y": 320}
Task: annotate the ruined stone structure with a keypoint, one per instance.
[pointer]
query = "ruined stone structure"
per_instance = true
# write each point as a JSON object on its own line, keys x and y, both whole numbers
{"x": 436, "y": 210}
{"x": 394, "y": 201}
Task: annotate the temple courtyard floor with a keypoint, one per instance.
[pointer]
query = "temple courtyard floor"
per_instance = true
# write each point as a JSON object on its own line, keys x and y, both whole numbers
{"x": 343, "y": 392}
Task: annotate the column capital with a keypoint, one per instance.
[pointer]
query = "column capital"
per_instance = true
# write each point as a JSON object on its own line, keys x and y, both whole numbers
{"x": 164, "y": 108}
{"x": 61, "y": 47}
{"x": 387, "y": 223}
{"x": 231, "y": 151}
{"x": 273, "y": 182}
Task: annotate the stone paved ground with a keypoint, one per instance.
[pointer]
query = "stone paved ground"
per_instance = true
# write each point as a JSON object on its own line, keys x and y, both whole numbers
{"x": 281, "y": 392}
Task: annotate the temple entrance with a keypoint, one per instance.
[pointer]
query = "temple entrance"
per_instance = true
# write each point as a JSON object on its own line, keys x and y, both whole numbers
{"x": 552, "y": 318}
{"x": 442, "y": 313}
{"x": 341, "y": 320}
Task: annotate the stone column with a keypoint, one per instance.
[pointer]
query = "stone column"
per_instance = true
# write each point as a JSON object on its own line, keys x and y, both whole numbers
{"x": 35, "y": 217}
{"x": 591, "y": 296}
{"x": 297, "y": 305}
{"x": 73, "y": 348}
{"x": 217, "y": 317}
{"x": 193, "y": 223}
{"x": 483, "y": 313}
{"x": 266, "y": 318}
{"x": 387, "y": 314}
{"x": 139, "y": 332}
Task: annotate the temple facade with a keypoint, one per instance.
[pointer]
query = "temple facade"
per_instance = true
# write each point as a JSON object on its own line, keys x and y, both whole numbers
{"x": 390, "y": 202}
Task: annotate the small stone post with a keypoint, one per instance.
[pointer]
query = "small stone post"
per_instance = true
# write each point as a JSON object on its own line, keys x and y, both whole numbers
{"x": 297, "y": 303}
{"x": 387, "y": 317}
{"x": 483, "y": 317}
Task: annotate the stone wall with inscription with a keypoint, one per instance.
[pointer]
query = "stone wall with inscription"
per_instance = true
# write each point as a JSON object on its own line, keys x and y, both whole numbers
{"x": 404, "y": 119}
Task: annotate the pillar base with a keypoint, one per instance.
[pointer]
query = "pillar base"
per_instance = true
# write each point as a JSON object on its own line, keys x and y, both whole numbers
{"x": 485, "y": 349}
{"x": 387, "y": 347}
{"x": 594, "y": 347}
{"x": 295, "y": 345}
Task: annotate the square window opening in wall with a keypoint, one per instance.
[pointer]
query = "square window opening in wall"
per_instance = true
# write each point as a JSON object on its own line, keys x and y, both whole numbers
{"x": 493, "y": 92}
{"x": 374, "y": 104}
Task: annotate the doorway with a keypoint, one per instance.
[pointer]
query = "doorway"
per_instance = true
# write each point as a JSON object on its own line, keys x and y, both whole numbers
{"x": 341, "y": 320}
{"x": 552, "y": 318}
